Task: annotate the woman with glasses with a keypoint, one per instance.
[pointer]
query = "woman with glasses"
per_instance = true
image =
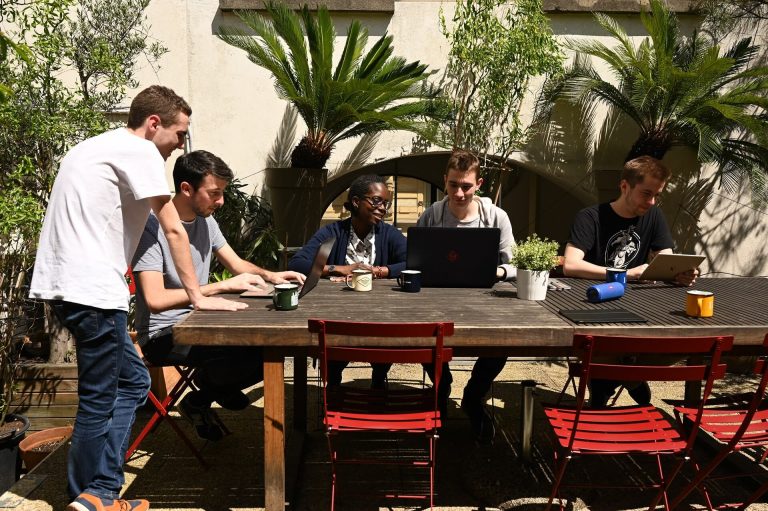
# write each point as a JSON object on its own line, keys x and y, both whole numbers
{"x": 363, "y": 241}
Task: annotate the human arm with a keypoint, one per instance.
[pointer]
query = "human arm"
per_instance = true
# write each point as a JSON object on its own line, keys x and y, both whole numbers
{"x": 505, "y": 270}
{"x": 178, "y": 242}
{"x": 239, "y": 266}
{"x": 159, "y": 298}
{"x": 397, "y": 253}
{"x": 576, "y": 266}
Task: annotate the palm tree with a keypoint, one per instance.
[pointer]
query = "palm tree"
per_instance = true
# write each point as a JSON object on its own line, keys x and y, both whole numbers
{"x": 366, "y": 93}
{"x": 679, "y": 91}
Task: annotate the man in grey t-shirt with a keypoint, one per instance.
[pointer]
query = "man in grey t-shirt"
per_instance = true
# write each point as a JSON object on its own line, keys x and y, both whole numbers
{"x": 200, "y": 179}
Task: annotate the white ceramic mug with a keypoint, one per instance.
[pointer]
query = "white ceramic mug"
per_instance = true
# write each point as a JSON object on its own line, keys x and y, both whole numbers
{"x": 362, "y": 280}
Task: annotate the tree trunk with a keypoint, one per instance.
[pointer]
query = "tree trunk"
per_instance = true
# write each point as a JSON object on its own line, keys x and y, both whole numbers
{"x": 62, "y": 343}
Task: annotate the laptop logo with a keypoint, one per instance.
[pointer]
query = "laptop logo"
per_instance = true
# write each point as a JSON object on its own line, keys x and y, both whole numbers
{"x": 453, "y": 256}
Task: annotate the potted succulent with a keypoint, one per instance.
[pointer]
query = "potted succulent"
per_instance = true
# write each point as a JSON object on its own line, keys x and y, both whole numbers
{"x": 534, "y": 258}
{"x": 367, "y": 92}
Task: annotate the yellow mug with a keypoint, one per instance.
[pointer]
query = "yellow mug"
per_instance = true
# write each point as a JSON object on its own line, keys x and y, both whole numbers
{"x": 700, "y": 304}
{"x": 362, "y": 280}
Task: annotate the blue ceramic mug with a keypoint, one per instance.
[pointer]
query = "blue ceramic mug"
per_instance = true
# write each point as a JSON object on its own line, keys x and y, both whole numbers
{"x": 410, "y": 281}
{"x": 618, "y": 275}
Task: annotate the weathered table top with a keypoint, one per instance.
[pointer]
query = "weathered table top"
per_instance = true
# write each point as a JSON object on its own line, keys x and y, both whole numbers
{"x": 741, "y": 309}
{"x": 482, "y": 317}
{"x": 492, "y": 318}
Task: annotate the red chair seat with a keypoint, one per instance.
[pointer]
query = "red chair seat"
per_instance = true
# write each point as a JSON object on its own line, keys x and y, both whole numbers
{"x": 616, "y": 430}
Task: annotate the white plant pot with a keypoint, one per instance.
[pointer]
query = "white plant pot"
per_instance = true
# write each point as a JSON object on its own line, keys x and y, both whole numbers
{"x": 532, "y": 285}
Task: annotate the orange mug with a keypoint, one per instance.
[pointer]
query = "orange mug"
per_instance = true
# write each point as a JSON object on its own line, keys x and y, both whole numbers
{"x": 700, "y": 304}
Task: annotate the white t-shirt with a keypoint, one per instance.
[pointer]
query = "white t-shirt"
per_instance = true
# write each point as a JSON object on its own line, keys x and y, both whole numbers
{"x": 97, "y": 211}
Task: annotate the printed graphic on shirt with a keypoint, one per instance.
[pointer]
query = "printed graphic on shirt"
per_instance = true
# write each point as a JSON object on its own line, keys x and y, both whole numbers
{"x": 622, "y": 248}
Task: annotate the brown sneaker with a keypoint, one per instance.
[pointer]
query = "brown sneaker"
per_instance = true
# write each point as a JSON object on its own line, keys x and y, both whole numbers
{"x": 88, "y": 502}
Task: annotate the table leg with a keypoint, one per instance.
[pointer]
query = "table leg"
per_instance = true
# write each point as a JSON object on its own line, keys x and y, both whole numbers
{"x": 526, "y": 419}
{"x": 274, "y": 430}
{"x": 300, "y": 393}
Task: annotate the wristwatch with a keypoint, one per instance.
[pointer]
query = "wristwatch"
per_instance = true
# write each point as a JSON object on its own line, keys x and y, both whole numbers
{"x": 331, "y": 268}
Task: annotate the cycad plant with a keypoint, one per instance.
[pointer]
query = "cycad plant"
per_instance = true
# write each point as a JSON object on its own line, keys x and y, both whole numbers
{"x": 679, "y": 91}
{"x": 365, "y": 93}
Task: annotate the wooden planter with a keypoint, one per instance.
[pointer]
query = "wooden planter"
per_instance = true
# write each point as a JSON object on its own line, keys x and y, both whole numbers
{"x": 296, "y": 197}
{"x": 46, "y": 394}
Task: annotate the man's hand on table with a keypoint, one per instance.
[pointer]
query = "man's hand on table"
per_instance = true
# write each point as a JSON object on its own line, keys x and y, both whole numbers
{"x": 687, "y": 278}
{"x": 214, "y": 303}
{"x": 344, "y": 270}
{"x": 242, "y": 282}
{"x": 634, "y": 273}
{"x": 283, "y": 277}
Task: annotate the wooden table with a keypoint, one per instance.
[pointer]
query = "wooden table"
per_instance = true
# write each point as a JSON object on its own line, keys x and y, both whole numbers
{"x": 486, "y": 322}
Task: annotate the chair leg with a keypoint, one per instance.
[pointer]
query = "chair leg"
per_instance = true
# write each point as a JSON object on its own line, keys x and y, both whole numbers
{"x": 696, "y": 483}
{"x": 665, "y": 482}
{"x": 560, "y": 471}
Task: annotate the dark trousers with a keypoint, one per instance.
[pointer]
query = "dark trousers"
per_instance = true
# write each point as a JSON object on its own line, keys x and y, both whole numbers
{"x": 222, "y": 370}
{"x": 484, "y": 372}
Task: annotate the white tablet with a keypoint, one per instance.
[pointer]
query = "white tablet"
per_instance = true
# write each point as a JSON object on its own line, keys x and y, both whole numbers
{"x": 667, "y": 266}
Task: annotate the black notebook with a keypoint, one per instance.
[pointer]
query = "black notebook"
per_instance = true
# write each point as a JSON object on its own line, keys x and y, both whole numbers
{"x": 602, "y": 316}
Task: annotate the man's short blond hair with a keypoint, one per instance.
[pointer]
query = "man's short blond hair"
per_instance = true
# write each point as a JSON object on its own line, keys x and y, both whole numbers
{"x": 635, "y": 170}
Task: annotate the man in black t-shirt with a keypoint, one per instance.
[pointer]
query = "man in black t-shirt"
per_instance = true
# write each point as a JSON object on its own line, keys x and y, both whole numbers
{"x": 625, "y": 233}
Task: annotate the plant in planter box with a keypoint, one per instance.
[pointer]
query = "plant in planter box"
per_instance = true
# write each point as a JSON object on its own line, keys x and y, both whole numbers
{"x": 366, "y": 92}
{"x": 534, "y": 258}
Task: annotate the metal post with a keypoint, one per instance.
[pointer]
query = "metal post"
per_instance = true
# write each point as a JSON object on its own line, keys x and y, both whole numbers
{"x": 526, "y": 419}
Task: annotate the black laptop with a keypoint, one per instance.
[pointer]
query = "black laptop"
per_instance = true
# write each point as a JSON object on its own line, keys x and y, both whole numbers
{"x": 454, "y": 256}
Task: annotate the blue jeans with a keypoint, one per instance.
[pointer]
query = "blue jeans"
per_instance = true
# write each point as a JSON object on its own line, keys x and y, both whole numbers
{"x": 112, "y": 383}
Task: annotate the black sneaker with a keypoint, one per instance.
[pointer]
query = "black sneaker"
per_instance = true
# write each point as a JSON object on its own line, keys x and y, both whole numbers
{"x": 202, "y": 418}
{"x": 480, "y": 420}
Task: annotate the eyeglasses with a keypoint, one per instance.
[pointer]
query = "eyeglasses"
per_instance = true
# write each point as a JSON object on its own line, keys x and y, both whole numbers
{"x": 378, "y": 202}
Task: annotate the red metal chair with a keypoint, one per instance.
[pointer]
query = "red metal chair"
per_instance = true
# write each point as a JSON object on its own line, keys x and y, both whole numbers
{"x": 631, "y": 430}
{"x": 351, "y": 413}
{"x": 161, "y": 407}
{"x": 737, "y": 423}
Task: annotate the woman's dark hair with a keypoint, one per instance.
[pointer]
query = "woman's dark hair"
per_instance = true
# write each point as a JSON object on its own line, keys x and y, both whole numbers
{"x": 360, "y": 187}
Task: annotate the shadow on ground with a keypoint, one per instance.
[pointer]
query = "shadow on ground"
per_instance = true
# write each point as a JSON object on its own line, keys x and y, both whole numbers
{"x": 469, "y": 477}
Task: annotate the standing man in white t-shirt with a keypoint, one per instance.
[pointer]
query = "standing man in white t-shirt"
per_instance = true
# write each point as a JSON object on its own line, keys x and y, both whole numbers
{"x": 99, "y": 204}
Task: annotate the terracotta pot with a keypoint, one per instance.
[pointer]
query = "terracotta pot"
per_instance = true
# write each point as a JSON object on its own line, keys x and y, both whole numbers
{"x": 296, "y": 197}
{"x": 38, "y": 445}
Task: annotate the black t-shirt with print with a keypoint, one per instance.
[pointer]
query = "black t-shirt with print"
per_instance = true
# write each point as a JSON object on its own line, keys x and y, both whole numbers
{"x": 608, "y": 239}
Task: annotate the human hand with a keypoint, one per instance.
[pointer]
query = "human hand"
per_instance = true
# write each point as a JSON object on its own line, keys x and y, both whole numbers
{"x": 213, "y": 303}
{"x": 686, "y": 278}
{"x": 634, "y": 273}
{"x": 349, "y": 268}
{"x": 281, "y": 277}
{"x": 243, "y": 282}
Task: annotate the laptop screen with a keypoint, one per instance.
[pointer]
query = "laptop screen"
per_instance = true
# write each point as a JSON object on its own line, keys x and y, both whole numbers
{"x": 454, "y": 256}
{"x": 321, "y": 257}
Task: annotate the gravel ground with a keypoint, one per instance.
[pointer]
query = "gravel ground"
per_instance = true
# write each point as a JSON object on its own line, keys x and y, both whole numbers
{"x": 470, "y": 477}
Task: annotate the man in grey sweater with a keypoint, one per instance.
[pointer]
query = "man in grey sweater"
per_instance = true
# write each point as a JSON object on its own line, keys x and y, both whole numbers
{"x": 461, "y": 208}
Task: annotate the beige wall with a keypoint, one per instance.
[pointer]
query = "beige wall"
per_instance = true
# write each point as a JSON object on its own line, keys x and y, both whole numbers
{"x": 237, "y": 115}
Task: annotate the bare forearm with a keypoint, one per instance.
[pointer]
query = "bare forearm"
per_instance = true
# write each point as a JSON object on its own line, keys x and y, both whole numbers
{"x": 583, "y": 269}
{"x": 171, "y": 299}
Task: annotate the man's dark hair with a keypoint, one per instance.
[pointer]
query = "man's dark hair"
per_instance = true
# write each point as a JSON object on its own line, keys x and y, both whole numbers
{"x": 360, "y": 187}
{"x": 193, "y": 167}
{"x": 463, "y": 161}
{"x": 635, "y": 170}
{"x": 156, "y": 100}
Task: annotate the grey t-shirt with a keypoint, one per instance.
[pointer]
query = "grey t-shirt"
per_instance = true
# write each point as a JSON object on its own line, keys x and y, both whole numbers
{"x": 154, "y": 254}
